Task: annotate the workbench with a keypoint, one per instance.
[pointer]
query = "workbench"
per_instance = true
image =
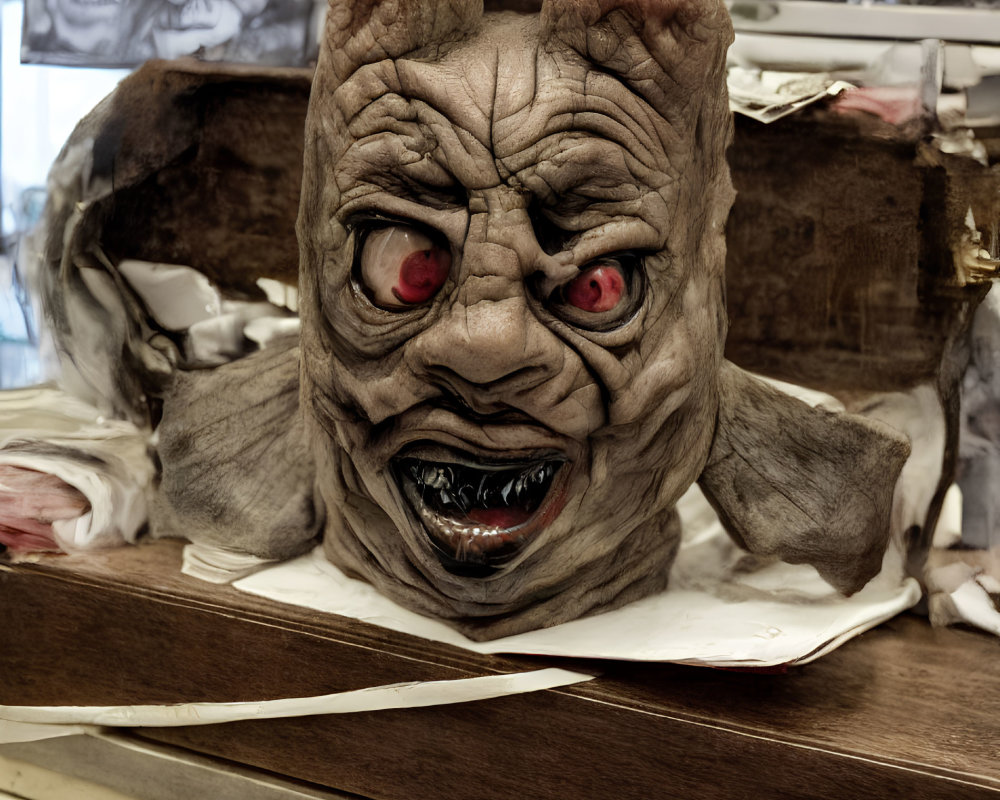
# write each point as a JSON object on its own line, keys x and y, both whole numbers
{"x": 904, "y": 710}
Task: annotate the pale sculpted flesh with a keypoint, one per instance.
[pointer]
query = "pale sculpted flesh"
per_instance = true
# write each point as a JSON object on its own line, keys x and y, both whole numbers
{"x": 511, "y": 345}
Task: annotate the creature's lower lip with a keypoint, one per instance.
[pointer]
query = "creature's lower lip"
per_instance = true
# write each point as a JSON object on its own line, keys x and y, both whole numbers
{"x": 479, "y": 514}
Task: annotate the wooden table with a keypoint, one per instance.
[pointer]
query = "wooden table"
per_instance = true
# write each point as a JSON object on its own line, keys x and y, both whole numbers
{"x": 902, "y": 711}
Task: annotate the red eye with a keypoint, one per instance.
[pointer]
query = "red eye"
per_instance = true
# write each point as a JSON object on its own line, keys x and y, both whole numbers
{"x": 596, "y": 289}
{"x": 421, "y": 275}
{"x": 402, "y": 266}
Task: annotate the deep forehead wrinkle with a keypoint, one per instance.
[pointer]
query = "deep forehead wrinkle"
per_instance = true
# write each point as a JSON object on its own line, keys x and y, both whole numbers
{"x": 574, "y": 98}
{"x": 463, "y": 91}
{"x": 503, "y": 90}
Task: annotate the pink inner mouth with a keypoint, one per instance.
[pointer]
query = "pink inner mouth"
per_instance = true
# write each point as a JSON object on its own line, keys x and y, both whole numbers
{"x": 479, "y": 515}
{"x": 499, "y": 517}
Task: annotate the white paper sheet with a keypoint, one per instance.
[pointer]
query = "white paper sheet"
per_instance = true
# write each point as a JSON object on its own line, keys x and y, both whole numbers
{"x": 217, "y": 565}
{"x": 975, "y": 606}
{"x": 13, "y": 732}
{"x": 31, "y": 723}
{"x": 718, "y": 612}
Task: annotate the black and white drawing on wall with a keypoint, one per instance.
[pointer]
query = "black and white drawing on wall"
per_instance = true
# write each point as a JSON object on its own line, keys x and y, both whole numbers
{"x": 118, "y": 33}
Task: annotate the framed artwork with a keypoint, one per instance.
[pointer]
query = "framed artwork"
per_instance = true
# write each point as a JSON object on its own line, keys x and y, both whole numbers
{"x": 118, "y": 33}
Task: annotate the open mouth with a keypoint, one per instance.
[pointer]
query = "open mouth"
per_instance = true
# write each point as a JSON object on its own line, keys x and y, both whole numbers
{"x": 480, "y": 514}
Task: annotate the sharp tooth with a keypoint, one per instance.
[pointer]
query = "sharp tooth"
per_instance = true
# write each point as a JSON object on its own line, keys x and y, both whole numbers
{"x": 538, "y": 474}
{"x": 484, "y": 492}
{"x": 441, "y": 480}
{"x": 466, "y": 497}
{"x": 521, "y": 487}
{"x": 506, "y": 490}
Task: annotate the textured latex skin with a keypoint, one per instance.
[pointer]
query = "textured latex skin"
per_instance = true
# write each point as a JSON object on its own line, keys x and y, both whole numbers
{"x": 531, "y": 145}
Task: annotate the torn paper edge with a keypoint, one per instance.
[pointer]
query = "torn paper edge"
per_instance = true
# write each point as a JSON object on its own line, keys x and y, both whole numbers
{"x": 762, "y": 105}
{"x": 32, "y": 723}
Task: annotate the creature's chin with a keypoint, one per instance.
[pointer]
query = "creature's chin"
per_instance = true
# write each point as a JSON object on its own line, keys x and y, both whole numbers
{"x": 480, "y": 513}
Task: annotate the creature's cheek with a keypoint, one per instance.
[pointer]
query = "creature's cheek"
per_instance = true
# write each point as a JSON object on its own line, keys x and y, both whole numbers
{"x": 365, "y": 337}
{"x": 678, "y": 354}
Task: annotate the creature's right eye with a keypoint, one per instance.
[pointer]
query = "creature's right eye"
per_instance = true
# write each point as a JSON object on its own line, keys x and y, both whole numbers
{"x": 402, "y": 266}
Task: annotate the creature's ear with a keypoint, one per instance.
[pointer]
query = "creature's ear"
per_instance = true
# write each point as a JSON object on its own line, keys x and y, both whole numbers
{"x": 235, "y": 466}
{"x": 803, "y": 484}
{"x": 671, "y": 52}
{"x": 364, "y": 31}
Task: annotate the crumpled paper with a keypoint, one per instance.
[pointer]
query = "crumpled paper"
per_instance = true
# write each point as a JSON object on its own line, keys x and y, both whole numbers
{"x": 49, "y": 431}
{"x": 767, "y": 95}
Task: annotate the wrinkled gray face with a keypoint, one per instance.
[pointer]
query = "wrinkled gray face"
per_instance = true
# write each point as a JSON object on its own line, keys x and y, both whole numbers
{"x": 513, "y": 325}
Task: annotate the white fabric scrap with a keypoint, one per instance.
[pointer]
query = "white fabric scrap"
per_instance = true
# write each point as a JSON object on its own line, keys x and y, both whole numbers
{"x": 176, "y": 296}
{"x": 36, "y": 423}
{"x": 280, "y": 294}
{"x": 181, "y": 299}
{"x": 220, "y": 339}
{"x": 30, "y": 723}
{"x": 964, "y": 593}
{"x": 217, "y": 565}
{"x": 264, "y": 330}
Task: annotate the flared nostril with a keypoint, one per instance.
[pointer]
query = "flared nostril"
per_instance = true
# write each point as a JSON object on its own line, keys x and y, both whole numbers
{"x": 487, "y": 346}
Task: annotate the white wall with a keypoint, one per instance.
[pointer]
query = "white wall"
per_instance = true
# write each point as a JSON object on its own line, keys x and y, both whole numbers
{"x": 41, "y": 105}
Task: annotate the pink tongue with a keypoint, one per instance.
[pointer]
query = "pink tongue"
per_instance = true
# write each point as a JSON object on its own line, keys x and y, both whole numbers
{"x": 498, "y": 517}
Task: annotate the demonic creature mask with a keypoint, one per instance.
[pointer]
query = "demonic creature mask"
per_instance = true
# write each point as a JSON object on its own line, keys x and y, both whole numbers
{"x": 512, "y": 299}
{"x": 512, "y": 318}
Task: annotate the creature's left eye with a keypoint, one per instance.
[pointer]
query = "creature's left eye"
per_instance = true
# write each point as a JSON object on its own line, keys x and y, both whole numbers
{"x": 402, "y": 266}
{"x": 597, "y": 288}
{"x": 603, "y": 295}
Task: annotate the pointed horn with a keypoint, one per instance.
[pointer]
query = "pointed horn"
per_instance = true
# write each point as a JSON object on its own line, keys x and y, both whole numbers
{"x": 361, "y": 32}
{"x": 671, "y": 52}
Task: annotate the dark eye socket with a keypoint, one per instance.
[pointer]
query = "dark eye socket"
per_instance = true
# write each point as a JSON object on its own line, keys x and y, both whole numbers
{"x": 604, "y": 294}
{"x": 401, "y": 266}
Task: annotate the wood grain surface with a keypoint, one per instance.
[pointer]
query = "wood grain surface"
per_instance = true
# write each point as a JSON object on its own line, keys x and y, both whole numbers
{"x": 903, "y": 711}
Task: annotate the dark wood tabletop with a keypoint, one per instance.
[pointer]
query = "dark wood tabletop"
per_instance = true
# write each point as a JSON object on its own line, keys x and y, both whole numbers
{"x": 904, "y": 710}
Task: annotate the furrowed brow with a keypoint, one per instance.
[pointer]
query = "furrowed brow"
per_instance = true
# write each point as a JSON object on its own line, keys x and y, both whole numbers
{"x": 582, "y": 175}
{"x": 400, "y": 166}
